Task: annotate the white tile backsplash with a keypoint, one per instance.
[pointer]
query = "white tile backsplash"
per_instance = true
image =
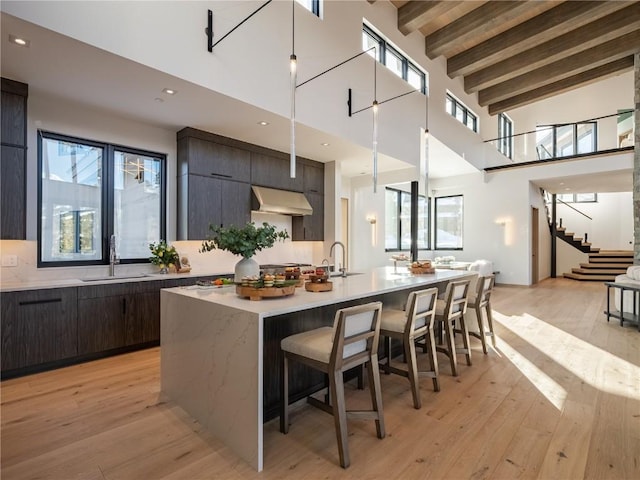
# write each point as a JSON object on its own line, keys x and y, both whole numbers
{"x": 214, "y": 262}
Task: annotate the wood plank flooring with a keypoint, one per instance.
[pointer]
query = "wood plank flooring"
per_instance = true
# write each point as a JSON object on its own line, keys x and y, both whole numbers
{"x": 558, "y": 399}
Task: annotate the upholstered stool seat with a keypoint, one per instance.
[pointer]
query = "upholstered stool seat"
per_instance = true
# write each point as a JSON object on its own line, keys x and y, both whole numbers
{"x": 352, "y": 342}
{"x": 408, "y": 325}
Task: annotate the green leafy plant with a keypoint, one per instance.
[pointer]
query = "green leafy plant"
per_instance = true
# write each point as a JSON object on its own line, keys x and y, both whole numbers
{"x": 163, "y": 254}
{"x": 245, "y": 241}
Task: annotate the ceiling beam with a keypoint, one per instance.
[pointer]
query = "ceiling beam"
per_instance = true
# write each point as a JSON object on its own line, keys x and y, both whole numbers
{"x": 588, "y": 36}
{"x": 600, "y": 73}
{"x": 477, "y": 24}
{"x": 546, "y": 26}
{"x": 572, "y": 65}
{"x": 412, "y": 15}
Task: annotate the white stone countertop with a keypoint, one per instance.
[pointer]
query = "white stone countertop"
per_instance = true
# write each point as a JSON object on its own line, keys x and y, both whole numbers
{"x": 101, "y": 280}
{"x": 377, "y": 281}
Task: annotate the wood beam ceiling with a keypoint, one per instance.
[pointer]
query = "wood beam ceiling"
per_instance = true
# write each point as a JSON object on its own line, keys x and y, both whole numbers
{"x": 519, "y": 51}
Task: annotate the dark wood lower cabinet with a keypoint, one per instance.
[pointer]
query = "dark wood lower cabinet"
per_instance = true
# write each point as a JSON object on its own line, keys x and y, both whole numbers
{"x": 101, "y": 323}
{"x": 49, "y": 328}
{"x": 38, "y": 326}
{"x": 142, "y": 319}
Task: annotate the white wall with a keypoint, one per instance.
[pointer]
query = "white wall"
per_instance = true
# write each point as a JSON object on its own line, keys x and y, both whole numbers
{"x": 591, "y": 101}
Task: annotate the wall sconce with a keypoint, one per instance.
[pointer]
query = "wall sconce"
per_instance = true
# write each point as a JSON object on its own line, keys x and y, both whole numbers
{"x": 372, "y": 221}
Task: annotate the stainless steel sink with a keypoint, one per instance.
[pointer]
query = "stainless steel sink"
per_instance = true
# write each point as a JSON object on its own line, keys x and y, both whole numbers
{"x": 115, "y": 277}
{"x": 339, "y": 274}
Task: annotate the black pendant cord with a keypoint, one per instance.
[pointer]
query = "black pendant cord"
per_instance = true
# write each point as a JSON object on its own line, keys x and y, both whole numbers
{"x": 384, "y": 101}
{"x": 210, "y": 28}
{"x": 293, "y": 28}
{"x": 335, "y": 66}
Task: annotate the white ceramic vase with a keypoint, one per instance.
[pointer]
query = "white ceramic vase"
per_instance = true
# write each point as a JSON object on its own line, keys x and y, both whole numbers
{"x": 246, "y": 267}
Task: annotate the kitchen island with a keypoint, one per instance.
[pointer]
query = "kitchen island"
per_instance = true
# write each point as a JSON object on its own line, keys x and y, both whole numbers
{"x": 220, "y": 353}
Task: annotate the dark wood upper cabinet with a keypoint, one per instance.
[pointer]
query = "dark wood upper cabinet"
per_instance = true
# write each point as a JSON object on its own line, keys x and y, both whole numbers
{"x": 313, "y": 178}
{"x": 269, "y": 170}
{"x": 215, "y": 175}
{"x": 212, "y": 159}
{"x": 310, "y": 227}
{"x": 13, "y": 134}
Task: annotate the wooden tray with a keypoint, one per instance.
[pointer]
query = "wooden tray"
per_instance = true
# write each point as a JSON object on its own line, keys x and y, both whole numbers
{"x": 420, "y": 271}
{"x": 265, "y": 292}
{"x": 318, "y": 286}
{"x": 318, "y": 278}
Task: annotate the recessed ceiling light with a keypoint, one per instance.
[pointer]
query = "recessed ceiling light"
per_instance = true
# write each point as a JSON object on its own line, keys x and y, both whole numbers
{"x": 324, "y": 144}
{"x": 23, "y": 42}
{"x": 567, "y": 189}
{"x": 169, "y": 91}
{"x": 263, "y": 123}
{"x": 158, "y": 99}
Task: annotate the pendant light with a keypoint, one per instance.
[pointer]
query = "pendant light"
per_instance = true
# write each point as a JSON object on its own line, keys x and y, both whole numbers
{"x": 424, "y": 164}
{"x": 375, "y": 128}
{"x": 293, "y": 75}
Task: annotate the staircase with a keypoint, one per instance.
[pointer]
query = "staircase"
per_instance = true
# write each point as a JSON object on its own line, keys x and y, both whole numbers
{"x": 577, "y": 242}
{"x": 603, "y": 266}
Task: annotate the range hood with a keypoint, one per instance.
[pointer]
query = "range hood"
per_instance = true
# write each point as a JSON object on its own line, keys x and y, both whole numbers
{"x": 284, "y": 202}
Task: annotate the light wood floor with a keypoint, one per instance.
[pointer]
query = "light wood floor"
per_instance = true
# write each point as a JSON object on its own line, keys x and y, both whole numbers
{"x": 558, "y": 399}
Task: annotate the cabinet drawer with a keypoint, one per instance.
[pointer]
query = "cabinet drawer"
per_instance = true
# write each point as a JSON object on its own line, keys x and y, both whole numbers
{"x": 38, "y": 326}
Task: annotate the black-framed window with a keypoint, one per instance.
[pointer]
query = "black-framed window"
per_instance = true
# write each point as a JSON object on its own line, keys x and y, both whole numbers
{"x": 461, "y": 112}
{"x": 505, "y": 134}
{"x": 398, "y": 221}
{"x": 449, "y": 223}
{"x": 88, "y": 191}
{"x": 312, "y": 5}
{"x": 393, "y": 59}
{"x": 554, "y": 141}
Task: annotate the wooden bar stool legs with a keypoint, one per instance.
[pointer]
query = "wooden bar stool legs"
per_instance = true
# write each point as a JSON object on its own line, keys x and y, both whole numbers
{"x": 449, "y": 311}
{"x": 480, "y": 303}
{"x": 352, "y": 342}
{"x": 414, "y": 323}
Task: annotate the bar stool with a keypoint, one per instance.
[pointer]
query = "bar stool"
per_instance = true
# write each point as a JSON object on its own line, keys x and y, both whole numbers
{"x": 352, "y": 342}
{"x": 480, "y": 301}
{"x": 415, "y": 322}
{"x": 448, "y": 311}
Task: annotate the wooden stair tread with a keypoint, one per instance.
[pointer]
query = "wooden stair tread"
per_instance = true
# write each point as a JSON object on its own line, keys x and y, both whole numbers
{"x": 614, "y": 253}
{"x": 600, "y": 278}
{"x": 599, "y": 265}
{"x": 599, "y": 271}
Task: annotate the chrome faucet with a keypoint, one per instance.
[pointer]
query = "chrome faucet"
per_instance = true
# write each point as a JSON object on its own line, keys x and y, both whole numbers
{"x": 342, "y": 268}
{"x": 113, "y": 258}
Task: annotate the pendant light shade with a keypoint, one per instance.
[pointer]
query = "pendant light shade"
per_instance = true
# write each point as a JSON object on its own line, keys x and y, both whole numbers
{"x": 375, "y": 146}
{"x": 424, "y": 165}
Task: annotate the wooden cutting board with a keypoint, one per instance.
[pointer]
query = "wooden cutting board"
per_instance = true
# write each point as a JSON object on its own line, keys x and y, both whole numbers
{"x": 318, "y": 287}
{"x": 265, "y": 292}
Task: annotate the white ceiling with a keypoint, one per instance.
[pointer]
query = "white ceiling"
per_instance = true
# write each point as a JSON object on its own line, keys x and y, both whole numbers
{"x": 62, "y": 67}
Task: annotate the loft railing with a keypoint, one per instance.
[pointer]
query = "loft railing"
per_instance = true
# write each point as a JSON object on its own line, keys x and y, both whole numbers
{"x": 605, "y": 134}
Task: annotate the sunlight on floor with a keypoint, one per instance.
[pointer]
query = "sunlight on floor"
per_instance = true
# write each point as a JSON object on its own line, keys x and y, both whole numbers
{"x": 543, "y": 382}
{"x": 593, "y": 365}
